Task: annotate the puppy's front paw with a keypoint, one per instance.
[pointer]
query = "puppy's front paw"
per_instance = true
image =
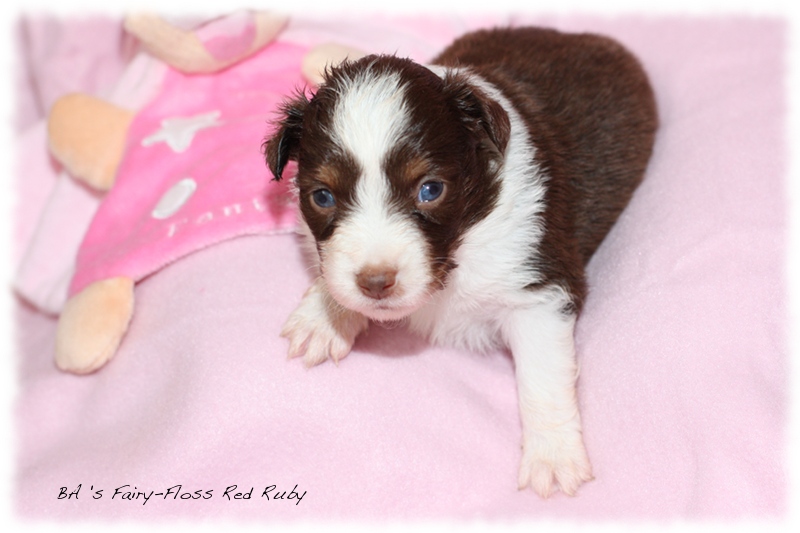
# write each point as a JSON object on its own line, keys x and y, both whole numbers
{"x": 320, "y": 329}
{"x": 553, "y": 459}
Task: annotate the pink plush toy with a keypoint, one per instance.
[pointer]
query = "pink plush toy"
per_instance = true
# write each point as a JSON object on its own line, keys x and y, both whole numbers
{"x": 183, "y": 173}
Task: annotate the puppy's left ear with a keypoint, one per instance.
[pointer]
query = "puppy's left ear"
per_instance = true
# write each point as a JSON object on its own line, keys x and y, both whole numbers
{"x": 481, "y": 113}
{"x": 282, "y": 147}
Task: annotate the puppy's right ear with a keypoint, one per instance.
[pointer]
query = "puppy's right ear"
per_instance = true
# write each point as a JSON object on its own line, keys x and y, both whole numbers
{"x": 284, "y": 143}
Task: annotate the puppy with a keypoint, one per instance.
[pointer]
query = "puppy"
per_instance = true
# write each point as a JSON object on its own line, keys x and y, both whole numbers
{"x": 466, "y": 197}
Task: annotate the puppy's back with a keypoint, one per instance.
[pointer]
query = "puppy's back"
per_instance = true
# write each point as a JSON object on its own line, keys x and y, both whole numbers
{"x": 590, "y": 113}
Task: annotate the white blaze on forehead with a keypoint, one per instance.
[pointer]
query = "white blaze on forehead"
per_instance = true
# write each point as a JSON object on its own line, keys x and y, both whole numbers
{"x": 370, "y": 118}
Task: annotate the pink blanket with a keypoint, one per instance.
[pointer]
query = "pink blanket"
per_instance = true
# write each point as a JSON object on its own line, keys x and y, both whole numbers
{"x": 682, "y": 344}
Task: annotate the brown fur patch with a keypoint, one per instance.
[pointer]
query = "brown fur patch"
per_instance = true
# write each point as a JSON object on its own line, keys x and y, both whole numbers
{"x": 591, "y": 114}
{"x": 414, "y": 169}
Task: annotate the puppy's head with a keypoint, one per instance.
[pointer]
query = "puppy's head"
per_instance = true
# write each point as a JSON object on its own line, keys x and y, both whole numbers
{"x": 395, "y": 163}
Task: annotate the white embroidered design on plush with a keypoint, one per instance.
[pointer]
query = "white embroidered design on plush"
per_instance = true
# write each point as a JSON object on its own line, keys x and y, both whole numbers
{"x": 178, "y": 133}
{"x": 231, "y": 210}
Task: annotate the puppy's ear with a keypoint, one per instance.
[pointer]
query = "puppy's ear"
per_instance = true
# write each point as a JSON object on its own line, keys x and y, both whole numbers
{"x": 284, "y": 143}
{"x": 481, "y": 113}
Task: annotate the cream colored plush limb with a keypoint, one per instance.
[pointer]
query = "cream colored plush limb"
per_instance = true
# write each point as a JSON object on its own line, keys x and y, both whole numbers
{"x": 87, "y": 135}
{"x": 176, "y": 47}
{"x": 183, "y": 50}
{"x": 268, "y": 25}
{"x": 324, "y": 55}
{"x": 92, "y": 325}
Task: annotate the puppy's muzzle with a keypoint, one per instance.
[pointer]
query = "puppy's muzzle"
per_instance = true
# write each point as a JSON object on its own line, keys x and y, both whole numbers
{"x": 377, "y": 282}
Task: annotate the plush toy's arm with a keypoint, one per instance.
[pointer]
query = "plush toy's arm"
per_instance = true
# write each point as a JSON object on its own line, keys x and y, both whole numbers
{"x": 212, "y": 47}
{"x": 87, "y": 135}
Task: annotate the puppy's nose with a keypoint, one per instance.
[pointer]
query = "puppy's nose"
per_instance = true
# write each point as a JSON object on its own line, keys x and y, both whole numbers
{"x": 377, "y": 282}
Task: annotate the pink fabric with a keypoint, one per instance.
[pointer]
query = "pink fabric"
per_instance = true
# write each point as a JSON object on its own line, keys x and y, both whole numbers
{"x": 87, "y": 55}
{"x": 682, "y": 348}
{"x": 229, "y": 37}
{"x": 224, "y": 112}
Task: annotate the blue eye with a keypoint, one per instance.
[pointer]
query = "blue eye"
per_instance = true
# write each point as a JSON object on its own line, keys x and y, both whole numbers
{"x": 323, "y": 198}
{"x": 430, "y": 191}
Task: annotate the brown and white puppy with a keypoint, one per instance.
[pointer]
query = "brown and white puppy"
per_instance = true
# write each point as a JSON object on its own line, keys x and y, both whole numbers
{"x": 467, "y": 197}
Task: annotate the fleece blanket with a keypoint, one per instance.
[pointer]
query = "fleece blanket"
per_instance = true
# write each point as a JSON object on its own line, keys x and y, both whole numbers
{"x": 682, "y": 343}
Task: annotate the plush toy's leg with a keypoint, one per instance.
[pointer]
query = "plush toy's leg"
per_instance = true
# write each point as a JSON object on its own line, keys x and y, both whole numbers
{"x": 324, "y": 55}
{"x": 92, "y": 325}
{"x": 88, "y": 136}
